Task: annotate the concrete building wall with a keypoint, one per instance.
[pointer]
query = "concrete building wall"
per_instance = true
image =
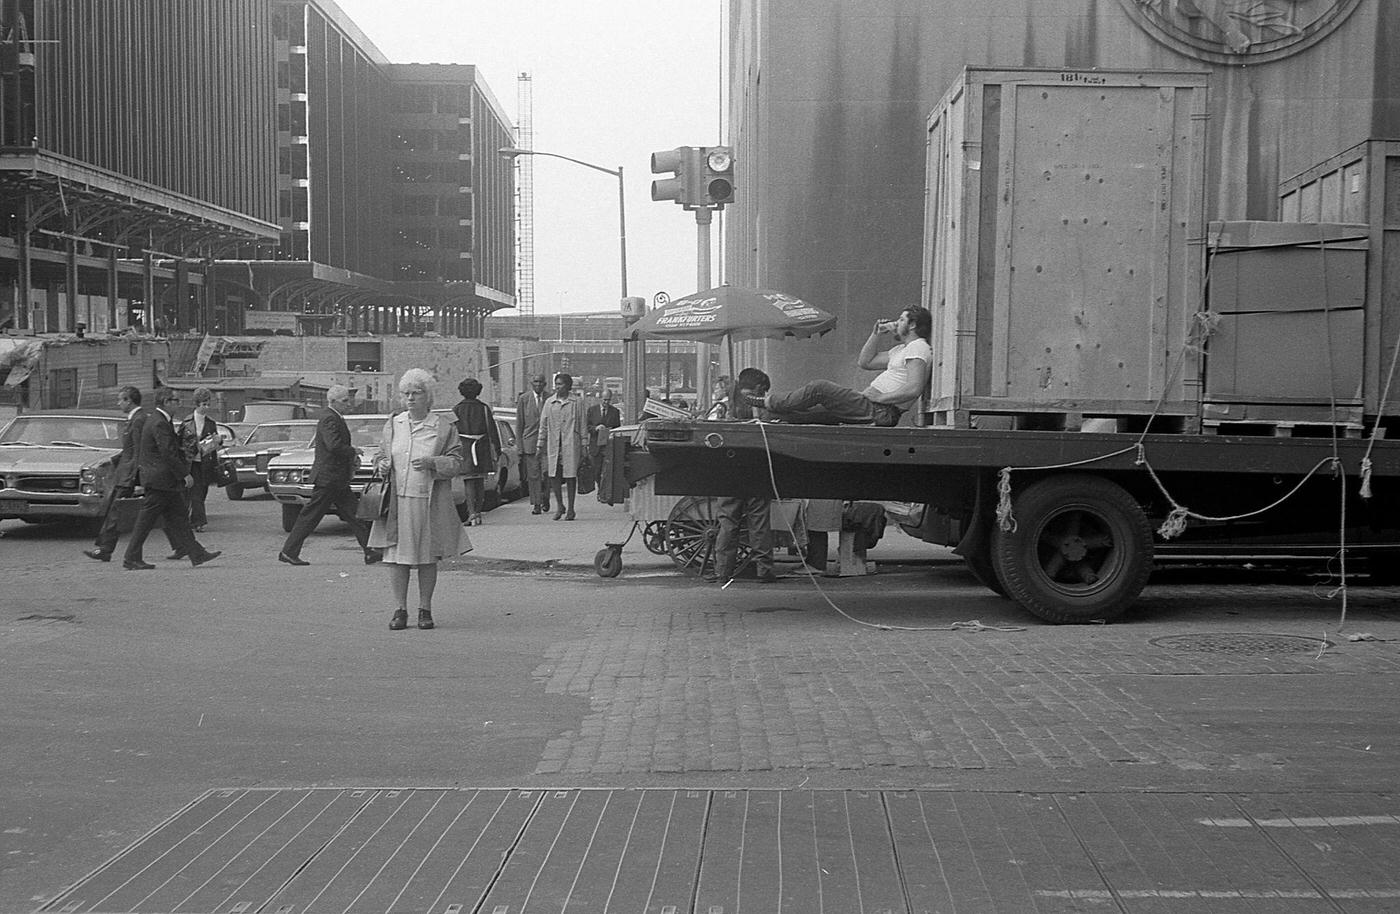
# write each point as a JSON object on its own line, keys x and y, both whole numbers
{"x": 503, "y": 366}
{"x": 829, "y": 102}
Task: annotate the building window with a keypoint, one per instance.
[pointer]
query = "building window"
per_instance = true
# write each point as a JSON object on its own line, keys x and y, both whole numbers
{"x": 362, "y": 356}
{"x": 493, "y": 362}
{"x": 107, "y": 374}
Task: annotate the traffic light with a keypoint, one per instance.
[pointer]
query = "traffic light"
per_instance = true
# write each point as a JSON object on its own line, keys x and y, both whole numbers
{"x": 684, "y": 163}
{"x": 717, "y": 176}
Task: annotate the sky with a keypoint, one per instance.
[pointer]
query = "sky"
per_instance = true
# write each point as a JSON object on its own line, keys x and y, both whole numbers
{"x": 613, "y": 81}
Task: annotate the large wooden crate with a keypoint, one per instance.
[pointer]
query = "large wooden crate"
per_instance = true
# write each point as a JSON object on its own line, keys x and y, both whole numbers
{"x": 1362, "y": 185}
{"x": 1288, "y": 301}
{"x": 1063, "y": 223}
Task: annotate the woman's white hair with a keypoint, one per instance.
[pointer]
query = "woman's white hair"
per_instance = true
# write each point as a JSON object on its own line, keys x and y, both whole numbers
{"x": 417, "y": 379}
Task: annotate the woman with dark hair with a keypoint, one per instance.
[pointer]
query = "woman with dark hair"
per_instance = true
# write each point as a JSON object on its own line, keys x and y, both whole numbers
{"x": 481, "y": 447}
{"x": 563, "y": 441}
{"x": 201, "y": 435}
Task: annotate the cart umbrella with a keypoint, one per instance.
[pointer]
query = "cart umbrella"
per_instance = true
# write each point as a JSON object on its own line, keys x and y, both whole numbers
{"x": 731, "y": 313}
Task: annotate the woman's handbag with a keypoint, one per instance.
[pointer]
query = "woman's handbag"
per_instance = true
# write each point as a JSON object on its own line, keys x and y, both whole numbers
{"x": 224, "y": 473}
{"x": 586, "y": 477}
{"x": 374, "y": 500}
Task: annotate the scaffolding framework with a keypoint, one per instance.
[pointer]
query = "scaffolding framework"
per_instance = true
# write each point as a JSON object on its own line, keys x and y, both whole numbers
{"x": 525, "y": 199}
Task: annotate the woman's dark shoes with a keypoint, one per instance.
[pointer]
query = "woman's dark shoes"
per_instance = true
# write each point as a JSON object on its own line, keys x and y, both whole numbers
{"x": 425, "y": 619}
{"x": 559, "y": 514}
{"x": 400, "y": 620}
{"x": 570, "y": 515}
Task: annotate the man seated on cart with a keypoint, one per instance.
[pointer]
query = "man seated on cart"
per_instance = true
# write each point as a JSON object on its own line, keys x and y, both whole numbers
{"x": 752, "y": 511}
{"x": 904, "y": 375}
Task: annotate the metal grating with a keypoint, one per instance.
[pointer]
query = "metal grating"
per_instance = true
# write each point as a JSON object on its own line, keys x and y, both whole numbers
{"x": 1247, "y": 643}
{"x": 649, "y": 851}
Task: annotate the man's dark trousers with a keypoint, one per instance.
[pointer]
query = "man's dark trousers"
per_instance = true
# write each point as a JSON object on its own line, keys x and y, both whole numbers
{"x": 323, "y": 499}
{"x": 170, "y": 507}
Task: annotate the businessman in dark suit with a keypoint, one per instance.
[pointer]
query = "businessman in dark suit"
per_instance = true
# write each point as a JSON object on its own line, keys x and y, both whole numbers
{"x": 331, "y": 473}
{"x": 164, "y": 474}
{"x": 124, "y": 476}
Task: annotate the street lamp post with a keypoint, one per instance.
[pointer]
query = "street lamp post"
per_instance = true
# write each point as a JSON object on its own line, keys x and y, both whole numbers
{"x": 635, "y": 382}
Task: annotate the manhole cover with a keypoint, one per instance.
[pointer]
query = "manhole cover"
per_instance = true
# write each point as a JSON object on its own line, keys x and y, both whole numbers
{"x": 1241, "y": 643}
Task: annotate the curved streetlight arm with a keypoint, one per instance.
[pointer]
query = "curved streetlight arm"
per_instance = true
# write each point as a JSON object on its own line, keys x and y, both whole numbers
{"x": 511, "y": 152}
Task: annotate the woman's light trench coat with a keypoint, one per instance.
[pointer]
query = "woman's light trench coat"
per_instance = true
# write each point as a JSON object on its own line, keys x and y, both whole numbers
{"x": 442, "y": 512}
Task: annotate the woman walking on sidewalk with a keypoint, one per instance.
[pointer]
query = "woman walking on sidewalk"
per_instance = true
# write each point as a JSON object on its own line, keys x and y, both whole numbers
{"x": 563, "y": 441}
{"x": 420, "y": 452}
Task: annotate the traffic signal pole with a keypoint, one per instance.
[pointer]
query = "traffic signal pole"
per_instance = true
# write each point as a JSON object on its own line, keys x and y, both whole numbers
{"x": 703, "y": 218}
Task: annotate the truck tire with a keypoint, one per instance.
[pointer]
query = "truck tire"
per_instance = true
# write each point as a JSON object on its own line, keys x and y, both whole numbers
{"x": 1081, "y": 550}
{"x": 985, "y": 571}
{"x": 234, "y": 492}
{"x": 289, "y": 516}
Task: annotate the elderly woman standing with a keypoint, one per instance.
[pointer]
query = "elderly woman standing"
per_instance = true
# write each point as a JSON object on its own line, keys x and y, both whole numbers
{"x": 563, "y": 441}
{"x": 422, "y": 528}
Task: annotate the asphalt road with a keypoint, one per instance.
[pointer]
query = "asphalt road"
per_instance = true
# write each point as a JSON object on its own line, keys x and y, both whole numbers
{"x": 130, "y": 694}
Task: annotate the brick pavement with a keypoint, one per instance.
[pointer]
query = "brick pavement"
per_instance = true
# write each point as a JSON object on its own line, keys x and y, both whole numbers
{"x": 706, "y": 682}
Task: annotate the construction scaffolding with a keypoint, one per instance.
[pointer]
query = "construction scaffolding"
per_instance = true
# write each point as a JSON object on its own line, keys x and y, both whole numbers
{"x": 525, "y": 199}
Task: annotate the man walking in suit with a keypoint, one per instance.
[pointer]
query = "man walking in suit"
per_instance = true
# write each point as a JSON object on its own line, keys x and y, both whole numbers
{"x": 164, "y": 474}
{"x": 331, "y": 473}
{"x": 527, "y": 432}
{"x": 602, "y": 419}
{"x": 124, "y": 477}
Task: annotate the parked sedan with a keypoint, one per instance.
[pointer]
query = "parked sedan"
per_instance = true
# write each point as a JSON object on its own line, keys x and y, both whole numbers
{"x": 249, "y": 460}
{"x": 289, "y": 473}
{"x": 57, "y": 465}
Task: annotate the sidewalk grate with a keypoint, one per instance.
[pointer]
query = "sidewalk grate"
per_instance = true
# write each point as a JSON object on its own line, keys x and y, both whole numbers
{"x": 1250, "y": 643}
{"x": 651, "y": 851}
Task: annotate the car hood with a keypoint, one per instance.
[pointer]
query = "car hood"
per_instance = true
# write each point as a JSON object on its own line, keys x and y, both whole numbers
{"x": 296, "y": 456}
{"x": 17, "y": 458}
{"x": 251, "y": 450}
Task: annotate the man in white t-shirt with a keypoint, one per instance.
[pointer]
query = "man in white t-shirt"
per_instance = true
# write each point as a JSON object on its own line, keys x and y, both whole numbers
{"x": 904, "y": 374}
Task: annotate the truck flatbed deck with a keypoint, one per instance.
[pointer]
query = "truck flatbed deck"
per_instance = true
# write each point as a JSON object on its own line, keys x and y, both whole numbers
{"x": 1083, "y": 506}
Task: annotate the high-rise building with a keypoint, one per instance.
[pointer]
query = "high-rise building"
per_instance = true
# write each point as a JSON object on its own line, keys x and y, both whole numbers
{"x": 239, "y": 165}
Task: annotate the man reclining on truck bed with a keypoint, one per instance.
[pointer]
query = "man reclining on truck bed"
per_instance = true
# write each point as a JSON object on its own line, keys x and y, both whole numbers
{"x": 904, "y": 374}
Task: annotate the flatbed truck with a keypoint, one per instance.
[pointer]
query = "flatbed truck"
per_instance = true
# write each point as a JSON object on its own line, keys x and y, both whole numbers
{"x": 1085, "y": 508}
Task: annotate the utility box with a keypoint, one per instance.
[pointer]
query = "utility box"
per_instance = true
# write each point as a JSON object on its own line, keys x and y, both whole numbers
{"x": 1362, "y": 185}
{"x": 1063, "y": 223}
{"x": 1288, "y": 299}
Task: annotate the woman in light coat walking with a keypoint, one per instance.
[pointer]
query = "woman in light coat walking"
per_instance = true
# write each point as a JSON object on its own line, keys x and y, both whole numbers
{"x": 422, "y": 527}
{"x": 563, "y": 442}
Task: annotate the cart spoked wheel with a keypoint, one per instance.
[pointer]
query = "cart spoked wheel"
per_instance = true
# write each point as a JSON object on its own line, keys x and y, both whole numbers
{"x": 690, "y": 535}
{"x": 654, "y": 537}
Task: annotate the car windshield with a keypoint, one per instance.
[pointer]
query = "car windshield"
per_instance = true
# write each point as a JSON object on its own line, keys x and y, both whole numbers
{"x": 365, "y": 430}
{"x": 281, "y": 432}
{"x": 90, "y": 430}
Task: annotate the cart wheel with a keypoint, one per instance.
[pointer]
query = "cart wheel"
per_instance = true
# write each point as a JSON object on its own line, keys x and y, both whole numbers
{"x": 690, "y": 534}
{"x": 654, "y": 537}
{"x": 608, "y": 562}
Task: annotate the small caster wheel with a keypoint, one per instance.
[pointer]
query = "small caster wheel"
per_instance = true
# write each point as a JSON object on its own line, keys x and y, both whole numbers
{"x": 608, "y": 561}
